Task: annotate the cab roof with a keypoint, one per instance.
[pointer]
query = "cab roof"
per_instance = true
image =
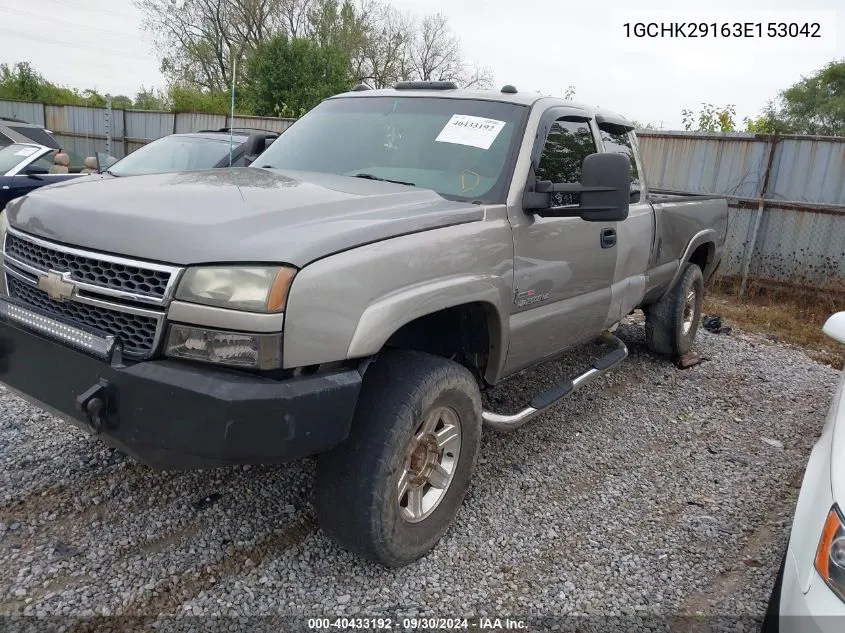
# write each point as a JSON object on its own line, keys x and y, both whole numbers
{"x": 508, "y": 94}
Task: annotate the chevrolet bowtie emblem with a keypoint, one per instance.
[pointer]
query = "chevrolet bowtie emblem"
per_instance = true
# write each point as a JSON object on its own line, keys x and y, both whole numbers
{"x": 56, "y": 285}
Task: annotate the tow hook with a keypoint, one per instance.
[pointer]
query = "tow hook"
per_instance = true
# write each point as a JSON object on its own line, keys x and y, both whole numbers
{"x": 94, "y": 403}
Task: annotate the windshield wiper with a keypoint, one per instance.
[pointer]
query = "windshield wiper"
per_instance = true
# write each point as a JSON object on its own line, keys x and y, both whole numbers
{"x": 111, "y": 173}
{"x": 372, "y": 177}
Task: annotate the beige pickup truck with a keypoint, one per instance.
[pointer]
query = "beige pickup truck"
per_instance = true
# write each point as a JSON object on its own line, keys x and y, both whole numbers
{"x": 350, "y": 294}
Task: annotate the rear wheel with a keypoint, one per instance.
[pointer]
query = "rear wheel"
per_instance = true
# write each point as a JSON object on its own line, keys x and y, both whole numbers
{"x": 672, "y": 323}
{"x": 392, "y": 489}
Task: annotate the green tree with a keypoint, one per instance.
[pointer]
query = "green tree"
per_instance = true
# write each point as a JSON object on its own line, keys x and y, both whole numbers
{"x": 121, "y": 102}
{"x": 286, "y": 76}
{"x": 20, "y": 81}
{"x": 199, "y": 40}
{"x": 813, "y": 105}
{"x": 23, "y": 83}
{"x": 710, "y": 118}
{"x": 93, "y": 98}
{"x": 182, "y": 97}
{"x": 149, "y": 100}
{"x": 769, "y": 121}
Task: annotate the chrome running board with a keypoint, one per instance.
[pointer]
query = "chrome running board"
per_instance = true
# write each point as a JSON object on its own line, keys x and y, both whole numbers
{"x": 559, "y": 391}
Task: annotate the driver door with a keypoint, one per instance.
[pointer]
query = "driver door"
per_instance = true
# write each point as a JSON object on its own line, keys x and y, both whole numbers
{"x": 30, "y": 175}
{"x": 563, "y": 267}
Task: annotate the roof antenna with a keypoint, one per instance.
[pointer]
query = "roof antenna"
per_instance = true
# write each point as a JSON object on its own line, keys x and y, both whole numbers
{"x": 232, "y": 119}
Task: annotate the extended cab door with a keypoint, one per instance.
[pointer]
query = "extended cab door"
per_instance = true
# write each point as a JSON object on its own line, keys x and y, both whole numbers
{"x": 563, "y": 267}
{"x": 634, "y": 236}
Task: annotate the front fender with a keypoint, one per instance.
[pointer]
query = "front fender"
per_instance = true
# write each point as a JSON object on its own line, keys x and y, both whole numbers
{"x": 390, "y": 313}
{"x": 348, "y": 305}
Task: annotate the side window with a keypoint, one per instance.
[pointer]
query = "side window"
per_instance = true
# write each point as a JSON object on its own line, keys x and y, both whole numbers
{"x": 45, "y": 162}
{"x": 567, "y": 144}
{"x": 619, "y": 140}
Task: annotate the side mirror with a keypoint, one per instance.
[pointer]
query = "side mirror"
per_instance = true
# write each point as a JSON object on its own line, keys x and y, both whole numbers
{"x": 605, "y": 190}
{"x": 834, "y": 327}
{"x": 34, "y": 171}
{"x": 606, "y": 179}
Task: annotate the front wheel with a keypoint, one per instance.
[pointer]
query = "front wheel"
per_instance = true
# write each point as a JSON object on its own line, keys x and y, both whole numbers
{"x": 672, "y": 323}
{"x": 392, "y": 489}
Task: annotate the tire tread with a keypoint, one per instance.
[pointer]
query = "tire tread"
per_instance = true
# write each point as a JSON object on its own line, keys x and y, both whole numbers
{"x": 664, "y": 318}
{"x": 347, "y": 500}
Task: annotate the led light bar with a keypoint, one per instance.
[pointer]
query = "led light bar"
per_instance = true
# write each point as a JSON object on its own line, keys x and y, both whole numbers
{"x": 72, "y": 336}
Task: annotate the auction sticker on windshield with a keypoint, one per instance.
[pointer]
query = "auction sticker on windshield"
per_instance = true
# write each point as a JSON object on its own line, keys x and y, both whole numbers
{"x": 463, "y": 129}
{"x": 26, "y": 151}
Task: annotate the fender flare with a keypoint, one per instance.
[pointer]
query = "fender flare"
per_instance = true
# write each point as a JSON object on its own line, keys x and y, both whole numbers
{"x": 385, "y": 316}
{"x": 702, "y": 237}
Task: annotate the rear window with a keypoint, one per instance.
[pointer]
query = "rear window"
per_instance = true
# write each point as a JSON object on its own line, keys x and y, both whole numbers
{"x": 36, "y": 134}
{"x": 618, "y": 140}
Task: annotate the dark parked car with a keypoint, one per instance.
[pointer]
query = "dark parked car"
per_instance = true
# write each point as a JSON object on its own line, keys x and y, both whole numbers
{"x": 196, "y": 150}
{"x": 18, "y": 131}
{"x": 28, "y": 166}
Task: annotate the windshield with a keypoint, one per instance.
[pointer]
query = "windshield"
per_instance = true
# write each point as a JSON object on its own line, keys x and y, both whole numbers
{"x": 12, "y": 155}
{"x": 174, "y": 153}
{"x": 460, "y": 148}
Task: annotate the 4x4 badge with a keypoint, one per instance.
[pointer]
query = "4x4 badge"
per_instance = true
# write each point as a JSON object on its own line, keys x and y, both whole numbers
{"x": 56, "y": 285}
{"x": 529, "y": 297}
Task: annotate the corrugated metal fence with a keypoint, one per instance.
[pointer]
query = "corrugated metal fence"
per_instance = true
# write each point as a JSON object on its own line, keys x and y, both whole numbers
{"x": 85, "y": 130}
{"x": 787, "y": 194}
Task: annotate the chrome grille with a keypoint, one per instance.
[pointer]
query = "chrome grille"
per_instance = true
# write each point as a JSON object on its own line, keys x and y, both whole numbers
{"x": 137, "y": 333}
{"x": 112, "y": 296}
{"x": 98, "y": 272}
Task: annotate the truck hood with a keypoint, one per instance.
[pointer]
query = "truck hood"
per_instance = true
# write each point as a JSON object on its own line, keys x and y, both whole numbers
{"x": 232, "y": 215}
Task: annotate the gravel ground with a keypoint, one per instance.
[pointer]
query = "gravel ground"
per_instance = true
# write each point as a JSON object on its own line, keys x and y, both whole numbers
{"x": 650, "y": 493}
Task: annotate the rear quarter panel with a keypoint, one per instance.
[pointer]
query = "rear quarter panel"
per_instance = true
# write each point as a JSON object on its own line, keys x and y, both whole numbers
{"x": 678, "y": 222}
{"x": 681, "y": 226}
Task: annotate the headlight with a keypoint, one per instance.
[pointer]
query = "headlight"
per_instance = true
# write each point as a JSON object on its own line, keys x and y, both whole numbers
{"x": 235, "y": 349}
{"x": 248, "y": 288}
{"x": 830, "y": 556}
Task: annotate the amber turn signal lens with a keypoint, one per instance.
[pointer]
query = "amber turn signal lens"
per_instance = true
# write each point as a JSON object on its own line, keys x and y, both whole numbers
{"x": 278, "y": 296}
{"x": 830, "y": 555}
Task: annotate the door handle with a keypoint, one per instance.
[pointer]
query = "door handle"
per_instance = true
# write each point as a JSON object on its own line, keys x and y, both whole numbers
{"x": 608, "y": 238}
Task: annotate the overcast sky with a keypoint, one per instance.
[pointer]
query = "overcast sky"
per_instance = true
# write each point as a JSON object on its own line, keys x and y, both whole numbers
{"x": 543, "y": 45}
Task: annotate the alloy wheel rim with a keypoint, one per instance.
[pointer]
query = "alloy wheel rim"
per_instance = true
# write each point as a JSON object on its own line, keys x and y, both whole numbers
{"x": 689, "y": 311}
{"x": 431, "y": 459}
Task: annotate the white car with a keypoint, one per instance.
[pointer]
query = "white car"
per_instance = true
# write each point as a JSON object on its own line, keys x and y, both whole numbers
{"x": 809, "y": 592}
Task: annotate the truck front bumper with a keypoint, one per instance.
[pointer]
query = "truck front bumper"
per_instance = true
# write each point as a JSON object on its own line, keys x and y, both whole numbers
{"x": 176, "y": 415}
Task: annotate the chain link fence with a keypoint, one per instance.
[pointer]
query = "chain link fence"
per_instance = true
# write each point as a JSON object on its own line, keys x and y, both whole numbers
{"x": 786, "y": 224}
